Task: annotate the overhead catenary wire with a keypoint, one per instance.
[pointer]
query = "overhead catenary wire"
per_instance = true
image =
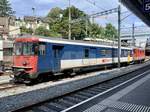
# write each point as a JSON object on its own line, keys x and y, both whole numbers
{"x": 103, "y": 9}
{"x": 142, "y": 26}
{"x": 126, "y": 16}
{"x": 93, "y": 3}
{"x": 122, "y": 13}
{"x": 102, "y": 13}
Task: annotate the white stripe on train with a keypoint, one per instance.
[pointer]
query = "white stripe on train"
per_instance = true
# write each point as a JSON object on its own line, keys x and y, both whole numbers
{"x": 87, "y": 62}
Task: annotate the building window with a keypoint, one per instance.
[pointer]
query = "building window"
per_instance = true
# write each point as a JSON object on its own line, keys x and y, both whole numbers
{"x": 8, "y": 51}
{"x": 86, "y": 53}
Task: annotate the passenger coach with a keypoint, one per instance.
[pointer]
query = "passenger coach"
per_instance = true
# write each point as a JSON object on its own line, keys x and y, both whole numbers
{"x": 36, "y": 56}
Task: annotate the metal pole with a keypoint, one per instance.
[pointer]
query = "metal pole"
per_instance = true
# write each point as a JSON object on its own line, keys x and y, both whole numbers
{"x": 69, "y": 34}
{"x": 86, "y": 32}
{"x": 133, "y": 39}
{"x": 93, "y": 19}
{"x": 119, "y": 41}
{"x": 33, "y": 11}
{"x": 33, "y": 28}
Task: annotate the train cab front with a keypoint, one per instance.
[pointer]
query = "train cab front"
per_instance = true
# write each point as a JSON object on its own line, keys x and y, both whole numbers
{"x": 25, "y": 60}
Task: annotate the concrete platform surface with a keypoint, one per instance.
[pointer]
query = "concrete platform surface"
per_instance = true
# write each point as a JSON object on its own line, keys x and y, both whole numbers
{"x": 133, "y": 98}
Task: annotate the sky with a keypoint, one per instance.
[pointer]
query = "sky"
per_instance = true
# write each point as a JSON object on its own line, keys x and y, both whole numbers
{"x": 42, "y": 7}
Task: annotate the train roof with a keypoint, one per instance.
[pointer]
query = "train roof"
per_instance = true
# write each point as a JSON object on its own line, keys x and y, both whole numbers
{"x": 66, "y": 41}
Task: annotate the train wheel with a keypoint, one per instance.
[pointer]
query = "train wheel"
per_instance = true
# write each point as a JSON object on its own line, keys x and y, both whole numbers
{"x": 17, "y": 78}
{"x": 40, "y": 79}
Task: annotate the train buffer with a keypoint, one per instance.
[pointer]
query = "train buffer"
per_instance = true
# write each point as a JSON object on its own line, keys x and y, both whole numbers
{"x": 130, "y": 96}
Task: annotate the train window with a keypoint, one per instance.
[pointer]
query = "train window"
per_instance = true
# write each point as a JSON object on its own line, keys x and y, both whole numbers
{"x": 129, "y": 53}
{"x": 29, "y": 48}
{"x": 18, "y": 48}
{"x": 106, "y": 52}
{"x": 86, "y": 53}
{"x": 115, "y": 53}
{"x": 42, "y": 49}
{"x": 103, "y": 52}
{"x": 124, "y": 53}
{"x": 26, "y": 48}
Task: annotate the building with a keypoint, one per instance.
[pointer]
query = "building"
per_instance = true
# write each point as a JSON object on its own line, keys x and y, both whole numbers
{"x": 8, "y": 51}
{"x": 32, "y": 22}
{"x": 4, "y": 26}
{"x": 10, "y": 26}
{"x": 10, "y": 29}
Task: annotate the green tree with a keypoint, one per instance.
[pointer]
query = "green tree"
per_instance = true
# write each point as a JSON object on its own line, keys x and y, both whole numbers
{"x": 96, "y": 31}
{"x": 58, "y": 21}
{"x": 29, "y": 30}
{"x": 59, "y": 24}
{"x": 54, "y": 17}
{"x": 78, "y": 24}
{"x": 42, "y": 31}
{"x": 55, "y": 13}
{"x": 5, "y": 8}
{"x": 45, "y": 32}
{"x": 110, "y": 32}
{"x": 75, "y": 13}
{"x": 25, "y": 30}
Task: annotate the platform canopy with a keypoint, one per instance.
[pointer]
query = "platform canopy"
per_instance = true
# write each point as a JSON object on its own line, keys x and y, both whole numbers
{"x": 138, "y": 8}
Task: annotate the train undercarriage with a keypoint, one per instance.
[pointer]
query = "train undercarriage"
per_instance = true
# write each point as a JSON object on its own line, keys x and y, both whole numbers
{"x": 21, "y": 76}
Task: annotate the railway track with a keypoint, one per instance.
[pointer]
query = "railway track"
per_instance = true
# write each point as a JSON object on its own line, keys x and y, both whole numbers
{"x": 71, "y": 100}
{"x": 6, "y": 86}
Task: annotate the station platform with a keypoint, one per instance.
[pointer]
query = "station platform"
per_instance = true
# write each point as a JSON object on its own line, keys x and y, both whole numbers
{"x": 132, "y": 98}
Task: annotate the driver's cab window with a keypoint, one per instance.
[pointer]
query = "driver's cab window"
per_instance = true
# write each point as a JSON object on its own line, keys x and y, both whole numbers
{"x": 42, "y": 49}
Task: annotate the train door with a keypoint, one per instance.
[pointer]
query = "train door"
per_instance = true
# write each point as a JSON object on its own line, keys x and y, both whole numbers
{"x": 93, "y": 56}
{"x": 57, "y": 51}
{"x": 86, "y": 54}
{"x": 43, "y": 58}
